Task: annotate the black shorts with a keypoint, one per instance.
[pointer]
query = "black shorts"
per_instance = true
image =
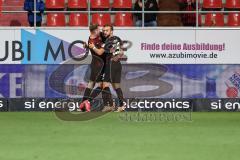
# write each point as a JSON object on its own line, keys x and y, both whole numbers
{"x": 116, "y": 72}
{"x": 100, "y": 71}
{"x": 112, "y": 72}
{"x": 104, "y": 75}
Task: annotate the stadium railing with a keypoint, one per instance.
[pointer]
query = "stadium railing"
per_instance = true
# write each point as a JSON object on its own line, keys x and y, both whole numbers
{"x": 89, "y": 11}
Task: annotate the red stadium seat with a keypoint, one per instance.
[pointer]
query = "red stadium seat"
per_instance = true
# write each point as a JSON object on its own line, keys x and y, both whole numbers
{"x": 214, "y": 19}
{"x": 55, "y": 4}
{"x": 122, "y": 4}
{"x": 232, "y": 4}
{"x": 234, "y": 19}
{"x": 100, "y": 4}
{"x": 78, "y": 19}
{"x": 212, "y": 4}
{"x": 0, "y": 7}
{"x": 56, "y": 19}
{"x": 101, "y": 19}
{"x": 77, "y": 4}
{"x": 123, "y": 19}
{"x": 199, "y": 20}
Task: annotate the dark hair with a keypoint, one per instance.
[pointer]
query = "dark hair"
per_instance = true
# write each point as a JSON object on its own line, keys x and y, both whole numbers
{"x": 108, "y": 25}
{"x": 93, "y": 27}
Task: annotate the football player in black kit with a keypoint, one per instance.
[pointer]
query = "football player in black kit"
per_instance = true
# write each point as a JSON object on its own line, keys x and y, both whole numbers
{"x": 116, "y": 53}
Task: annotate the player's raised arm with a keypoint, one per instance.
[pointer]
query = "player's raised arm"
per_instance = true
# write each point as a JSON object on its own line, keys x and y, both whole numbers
{"x": 98, "y": 51}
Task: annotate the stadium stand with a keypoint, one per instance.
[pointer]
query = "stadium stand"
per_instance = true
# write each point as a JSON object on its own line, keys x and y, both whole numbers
{"x": 124, "y": 19}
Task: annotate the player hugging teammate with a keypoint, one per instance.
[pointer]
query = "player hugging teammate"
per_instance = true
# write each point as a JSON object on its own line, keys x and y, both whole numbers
{"x": 106, "y": 69}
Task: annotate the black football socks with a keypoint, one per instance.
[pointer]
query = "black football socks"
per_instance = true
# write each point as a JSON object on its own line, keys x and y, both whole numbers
{"x": 120, "y": 96}
{"x": 107, "y": 97}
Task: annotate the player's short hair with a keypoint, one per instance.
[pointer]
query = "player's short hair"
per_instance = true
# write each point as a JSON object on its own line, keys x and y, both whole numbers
{"x": 109, "y": 25}
{"x": 93, "y": 27}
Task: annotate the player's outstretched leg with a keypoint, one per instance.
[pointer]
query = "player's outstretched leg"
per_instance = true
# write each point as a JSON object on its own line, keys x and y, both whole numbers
{"x": 86, "y": 103}
{"x": 95, "y": 92}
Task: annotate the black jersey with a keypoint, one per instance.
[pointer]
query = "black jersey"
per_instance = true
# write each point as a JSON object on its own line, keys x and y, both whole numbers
{"x": 113, "y": 69}
{"x": 113, "y": 45}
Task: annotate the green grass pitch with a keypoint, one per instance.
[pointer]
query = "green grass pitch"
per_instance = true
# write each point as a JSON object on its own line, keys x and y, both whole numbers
{"x": 41, "y": 136}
